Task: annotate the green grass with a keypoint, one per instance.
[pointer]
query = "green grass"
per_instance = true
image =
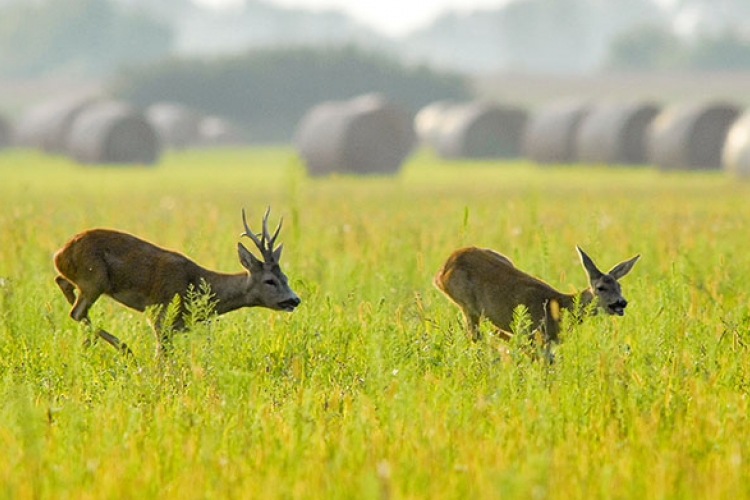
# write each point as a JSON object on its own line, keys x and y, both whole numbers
{"x": 371, "y": 389}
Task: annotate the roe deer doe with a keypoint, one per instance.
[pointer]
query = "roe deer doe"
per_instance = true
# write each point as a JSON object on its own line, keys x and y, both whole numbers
{"x": 484, "y": 283}
{"x": 138, "y": 274}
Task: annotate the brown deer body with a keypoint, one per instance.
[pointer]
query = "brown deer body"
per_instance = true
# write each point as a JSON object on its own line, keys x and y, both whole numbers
{"x": 484, "y": 283}
{"x": 139, "y": 274}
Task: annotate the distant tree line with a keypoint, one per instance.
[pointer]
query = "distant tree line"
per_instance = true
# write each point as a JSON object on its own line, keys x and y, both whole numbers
{"x": 268, "y": 91}
{"x": 77, "y": 37}
{"x": 654, "y": 48}
{"x": 94, "y": 38}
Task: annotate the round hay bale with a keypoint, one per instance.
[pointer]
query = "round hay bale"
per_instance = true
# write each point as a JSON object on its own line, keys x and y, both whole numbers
{"x": 113, "y": 132}
{"x": 616, "y": 134}
{"x": 217, "y": 131}
{"x": 551, "y": 132}
{"x": 429, "y": 120}
{"x": 690, "y": 137}
{"x": 177, "y": 125}
{"x": 481, "y": 130}
{"x": 46, "y": 125}
{"x": 365, "y": 135}
{"x": 735, "y": 157}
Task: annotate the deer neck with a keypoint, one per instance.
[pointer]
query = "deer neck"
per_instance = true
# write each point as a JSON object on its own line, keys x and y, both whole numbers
{"x": 585, "y": 298}
{"x": 228, "y": 290}
{"x": 579, "y": 302}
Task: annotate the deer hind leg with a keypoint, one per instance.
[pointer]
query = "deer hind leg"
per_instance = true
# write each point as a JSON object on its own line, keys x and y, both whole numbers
{"x": 114, "y": 341}
{"x": 80, "y": 312}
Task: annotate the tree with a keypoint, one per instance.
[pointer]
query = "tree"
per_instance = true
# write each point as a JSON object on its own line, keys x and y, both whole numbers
{"x": 727, "y": 51}
{"x": 650, "y": 48}
{"x": 82, "y": 37}
{"x": 646, "y": 48}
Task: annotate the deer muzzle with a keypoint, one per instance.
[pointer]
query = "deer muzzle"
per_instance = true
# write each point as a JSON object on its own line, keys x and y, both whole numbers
{"x": 617, "y": 307}
{"x": 289, "y": 304}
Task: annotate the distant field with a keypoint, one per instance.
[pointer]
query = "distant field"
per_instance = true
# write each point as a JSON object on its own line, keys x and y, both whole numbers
{"x": 663, "y": 88}
{"x": 371, "y": 389}
{"x": 523, "y": 90}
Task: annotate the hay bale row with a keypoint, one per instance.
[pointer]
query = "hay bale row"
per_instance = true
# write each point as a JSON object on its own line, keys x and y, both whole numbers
{"x": 368, "y": 134}
{"x": 90, "y": 130}
{"x": 691, "y": 137}
{"x": 93, "y": 130}
{"x": 632, "y": 133}
{"x": 473, "y": 129}
{"x": 552, "y": 132}
{"x": 616, "y": 134}
{"x": 364, "y": 135}
{"x": 696, "y": 136}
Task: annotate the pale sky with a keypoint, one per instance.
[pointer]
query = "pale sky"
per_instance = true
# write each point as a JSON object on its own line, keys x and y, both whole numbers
{"x": 393, "y": 17}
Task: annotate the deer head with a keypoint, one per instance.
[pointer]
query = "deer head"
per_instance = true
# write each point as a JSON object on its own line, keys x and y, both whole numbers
{"x": 605, "y": 286}
{"x": 270, "y": 284}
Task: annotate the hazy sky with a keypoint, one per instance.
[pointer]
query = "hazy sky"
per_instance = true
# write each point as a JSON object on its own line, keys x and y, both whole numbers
{"x": 393, "y": 17}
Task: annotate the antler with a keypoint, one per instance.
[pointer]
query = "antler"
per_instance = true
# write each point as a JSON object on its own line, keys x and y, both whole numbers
{"x": 266, "y": 242}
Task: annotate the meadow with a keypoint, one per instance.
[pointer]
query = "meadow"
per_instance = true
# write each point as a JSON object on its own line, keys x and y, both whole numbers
{"x": 371, "y": 388}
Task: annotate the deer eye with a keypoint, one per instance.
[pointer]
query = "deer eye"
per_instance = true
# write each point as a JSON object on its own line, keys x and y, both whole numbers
{"x": 601, "y": 288}
{"x": 269, "y": 282}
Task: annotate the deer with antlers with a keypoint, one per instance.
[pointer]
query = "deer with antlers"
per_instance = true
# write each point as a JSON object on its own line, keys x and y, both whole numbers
{"x": 139, "y": 275}
{"x": 486, "y": 284}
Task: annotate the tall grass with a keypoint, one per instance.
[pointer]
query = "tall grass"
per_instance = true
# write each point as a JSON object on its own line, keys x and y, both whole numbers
{"x": 371, "y": 389}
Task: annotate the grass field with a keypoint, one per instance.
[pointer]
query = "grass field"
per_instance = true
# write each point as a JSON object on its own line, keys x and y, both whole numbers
{"x": 370, "y": 389}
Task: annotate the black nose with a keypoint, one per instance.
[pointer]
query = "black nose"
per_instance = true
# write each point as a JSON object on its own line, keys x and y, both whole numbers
{"x": 620, "y": 304}
{"x": 290, "y": 304}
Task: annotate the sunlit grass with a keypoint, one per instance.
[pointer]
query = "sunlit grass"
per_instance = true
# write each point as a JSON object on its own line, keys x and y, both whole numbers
{"x": 371, "y": 388}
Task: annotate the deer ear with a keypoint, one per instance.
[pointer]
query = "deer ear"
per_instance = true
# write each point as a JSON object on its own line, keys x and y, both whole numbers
{"x": 588, "y": 264}
{"x": 247, "y": 259}
{"x": 623, "y": 268}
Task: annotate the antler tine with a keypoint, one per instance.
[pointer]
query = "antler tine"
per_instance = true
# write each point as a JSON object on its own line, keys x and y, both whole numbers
{"x": 249, "y": 233}
{"x": 264, "y": 238}
{"x": 272, "y": 240}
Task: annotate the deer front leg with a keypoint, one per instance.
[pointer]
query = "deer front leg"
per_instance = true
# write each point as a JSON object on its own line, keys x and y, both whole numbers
{"x": 164, "y": 331}
{"x": 472, "y": 324}
{"x": 107, "y": 337}
{"x": 550, "y": 328}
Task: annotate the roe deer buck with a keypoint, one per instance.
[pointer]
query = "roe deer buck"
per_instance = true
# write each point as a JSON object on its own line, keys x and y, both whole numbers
{"x": 139, "y": 274}
{"x": 484, "y": 283}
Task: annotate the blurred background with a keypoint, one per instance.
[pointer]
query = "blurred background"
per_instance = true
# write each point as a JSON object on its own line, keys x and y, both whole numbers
{"x": 252, "y": 69}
